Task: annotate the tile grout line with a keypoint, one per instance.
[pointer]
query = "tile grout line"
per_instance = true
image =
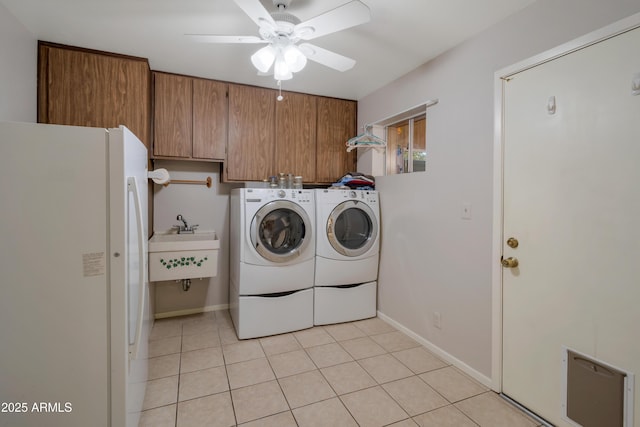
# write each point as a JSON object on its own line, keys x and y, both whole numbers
{"x": 179, "y": 372}
{"x": 219, "y": 327}
{"x": 277, "y": 381}
{"x": 224, "y": 361}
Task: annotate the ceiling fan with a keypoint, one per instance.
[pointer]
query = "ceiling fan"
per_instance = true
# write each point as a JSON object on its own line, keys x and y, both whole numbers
{"x": 282, "y": 32}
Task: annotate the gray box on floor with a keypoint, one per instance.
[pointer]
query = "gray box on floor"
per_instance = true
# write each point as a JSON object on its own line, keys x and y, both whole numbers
{"x": 595, "y": 393}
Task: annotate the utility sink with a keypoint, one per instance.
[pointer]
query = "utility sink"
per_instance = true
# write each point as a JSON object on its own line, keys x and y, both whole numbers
{"x": 175, "y": 256}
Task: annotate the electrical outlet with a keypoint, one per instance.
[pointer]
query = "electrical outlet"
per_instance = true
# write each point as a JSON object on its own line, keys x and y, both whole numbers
{"x": 437, "y": 319}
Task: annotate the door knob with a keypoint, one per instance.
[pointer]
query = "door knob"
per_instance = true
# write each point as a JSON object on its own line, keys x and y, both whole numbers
{"x": 512, "y": 242}
{"x": 509, "y": 262}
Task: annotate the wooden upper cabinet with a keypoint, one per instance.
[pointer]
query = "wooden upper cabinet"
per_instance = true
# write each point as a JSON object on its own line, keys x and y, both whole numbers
{"x": 296, "y": 136}
{"x": 81, "y": 87}
{"x": 190, "y": 117}
{"x": 196, "y": 118}
{"x": 336, "y": 124}
{"x": 251, "y": 144}
{"x": 172, "y": 113}
{"x": 209, "y": 119}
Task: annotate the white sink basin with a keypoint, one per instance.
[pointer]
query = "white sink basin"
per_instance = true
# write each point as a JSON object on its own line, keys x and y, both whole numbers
{"x": 183, "y": 256}
{"x": 183, "y": 242}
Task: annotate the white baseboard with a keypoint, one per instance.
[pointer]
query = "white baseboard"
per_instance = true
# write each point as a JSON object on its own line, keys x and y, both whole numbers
{"x": 478, "y": 376}
{"x": 191, "y": 311}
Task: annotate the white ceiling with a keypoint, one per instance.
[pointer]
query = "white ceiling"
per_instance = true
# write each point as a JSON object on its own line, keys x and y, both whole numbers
{"x": 401, "y": 35}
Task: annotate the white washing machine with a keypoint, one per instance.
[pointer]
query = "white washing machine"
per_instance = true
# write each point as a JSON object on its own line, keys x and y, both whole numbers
{"x": 347, "y": 254}
{"x": 272, "y": 260}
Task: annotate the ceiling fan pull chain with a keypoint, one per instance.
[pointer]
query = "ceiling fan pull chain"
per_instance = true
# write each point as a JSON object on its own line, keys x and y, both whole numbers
{"x": 280, "y": 97}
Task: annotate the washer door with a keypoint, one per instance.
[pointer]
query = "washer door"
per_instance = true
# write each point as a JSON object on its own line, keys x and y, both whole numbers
{"x": 352, "y": 228}
{"x": 280, "y": 231}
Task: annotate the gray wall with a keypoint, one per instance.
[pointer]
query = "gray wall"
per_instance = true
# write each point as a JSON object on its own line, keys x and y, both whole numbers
{"x": 18, "y": 70}
{"x": 431, "y": 259}
{"x": 207, "y": 207}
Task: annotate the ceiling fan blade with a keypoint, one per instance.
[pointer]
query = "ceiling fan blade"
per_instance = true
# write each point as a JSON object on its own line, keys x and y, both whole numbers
{"x": 326, "y": 57}
{"x": 342, "y": 17}
{"x": 210, "y": 38}
{"x": 256, "y": 12}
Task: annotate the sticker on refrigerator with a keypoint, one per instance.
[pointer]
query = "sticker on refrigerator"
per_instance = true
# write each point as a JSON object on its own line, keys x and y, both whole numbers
{"x": 93, "y": 264}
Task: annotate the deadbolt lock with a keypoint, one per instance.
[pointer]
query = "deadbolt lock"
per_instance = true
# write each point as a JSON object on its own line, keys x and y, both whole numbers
{"x": 509, "y": 262}
{"x": 512, "y": 242}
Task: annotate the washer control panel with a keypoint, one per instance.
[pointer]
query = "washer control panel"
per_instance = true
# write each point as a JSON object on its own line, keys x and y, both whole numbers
{"x": 268, "y": 194}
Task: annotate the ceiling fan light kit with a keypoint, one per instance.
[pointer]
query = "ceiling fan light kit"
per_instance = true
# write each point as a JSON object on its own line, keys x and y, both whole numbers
{"x": 282, "y": 31}
{"x": 294, "y": 58}
{"x": 281, "y": 71}
{"x": 288, "y": 59}
{"x": 263, "y": 58}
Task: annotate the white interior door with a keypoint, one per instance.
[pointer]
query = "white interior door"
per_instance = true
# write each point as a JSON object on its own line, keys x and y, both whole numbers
{"x": 572, "y": 200}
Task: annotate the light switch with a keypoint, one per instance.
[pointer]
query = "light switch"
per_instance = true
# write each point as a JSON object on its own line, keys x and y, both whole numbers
{"x": 465, "y": 211}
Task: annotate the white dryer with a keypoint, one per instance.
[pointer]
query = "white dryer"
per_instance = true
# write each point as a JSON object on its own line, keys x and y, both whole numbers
{"x": 272, "y": 259}
{"x": 347, "y": 254}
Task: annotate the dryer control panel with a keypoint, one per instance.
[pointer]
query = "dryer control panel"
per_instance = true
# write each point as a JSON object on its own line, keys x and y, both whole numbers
{"x": 337, "y": 196}
{"x": 368, "y": 196}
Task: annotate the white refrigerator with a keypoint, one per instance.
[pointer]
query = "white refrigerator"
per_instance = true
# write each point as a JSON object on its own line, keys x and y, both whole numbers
{"x": 74, "y": 297}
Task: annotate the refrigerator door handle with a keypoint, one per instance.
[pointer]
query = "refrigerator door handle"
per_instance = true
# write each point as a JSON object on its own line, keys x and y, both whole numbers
{"x": 133, "y": 188}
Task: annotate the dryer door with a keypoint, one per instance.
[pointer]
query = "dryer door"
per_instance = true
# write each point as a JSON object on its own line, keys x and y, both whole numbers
{"x": 352, "y": 228}
{"x": 280, "y": 231}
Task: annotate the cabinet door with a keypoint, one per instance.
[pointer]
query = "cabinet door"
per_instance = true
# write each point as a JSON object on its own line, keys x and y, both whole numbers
{"x": 336, "y": 124}
{"x": 172, "y": 115}
{"x": 251, "y": 142}
{"x": 84, "y": 88}
{"x": 210, "y": 108}
{"x": 296, "y": 136}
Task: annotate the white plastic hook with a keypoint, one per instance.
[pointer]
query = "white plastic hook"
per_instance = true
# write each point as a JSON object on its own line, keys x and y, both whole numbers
{"x": 551, "y": 105}
{"x": 635, "y": 84}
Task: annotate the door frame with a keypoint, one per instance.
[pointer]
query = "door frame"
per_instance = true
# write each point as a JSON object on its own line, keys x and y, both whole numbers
{"x": 612, "y": 30}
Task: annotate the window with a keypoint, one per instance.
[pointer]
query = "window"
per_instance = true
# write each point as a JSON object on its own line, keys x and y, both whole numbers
{"x": 406, "y": 137}
{"x": 406, "y": 146}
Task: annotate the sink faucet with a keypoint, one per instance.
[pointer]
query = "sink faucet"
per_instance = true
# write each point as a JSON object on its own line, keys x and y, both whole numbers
{"x": 184, "y": 221}
{"x": 184, "y": 227}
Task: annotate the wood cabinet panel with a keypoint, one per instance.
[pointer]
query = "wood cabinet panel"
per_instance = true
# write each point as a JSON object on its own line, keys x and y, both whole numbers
{"x": 198, "y": 118}
{"x": 85, "y": 88}
{"x": 336, "y": 124}
{"x": 172, "y": 133}
{"x": 190, "y": 117}
{"x": 296, "y": 135}
{"x": 210, "y": 111}
{"x": 81, "y": 87}
{"x": 251, "y": 144}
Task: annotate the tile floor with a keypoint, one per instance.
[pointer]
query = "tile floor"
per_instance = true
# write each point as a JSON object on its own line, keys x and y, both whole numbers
{"x": 363, "y": 373}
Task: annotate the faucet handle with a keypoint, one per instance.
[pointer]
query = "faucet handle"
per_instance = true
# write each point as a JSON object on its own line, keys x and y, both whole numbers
{"x": 184, "y": 222}
{"x": 193, "y": 227}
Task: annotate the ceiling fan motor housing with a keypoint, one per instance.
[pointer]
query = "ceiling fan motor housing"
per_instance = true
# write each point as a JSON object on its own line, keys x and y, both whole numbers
{"x": 285, "y": 17}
